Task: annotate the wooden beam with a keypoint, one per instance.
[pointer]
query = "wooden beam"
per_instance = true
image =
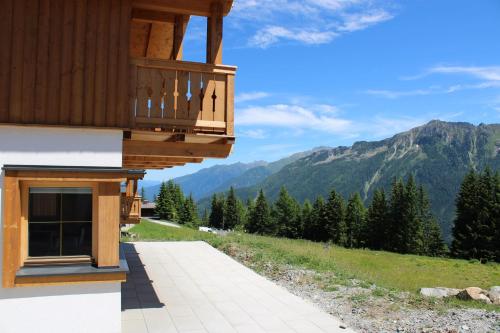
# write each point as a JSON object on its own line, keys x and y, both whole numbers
{"x": 144, "y": 15}
{"x": 214, "y": 34}
{"x": 181, "y": 22}
{"x": 162, "y": 159}
{"x": 176, "y": 149}
{"x": 186, "y": 7}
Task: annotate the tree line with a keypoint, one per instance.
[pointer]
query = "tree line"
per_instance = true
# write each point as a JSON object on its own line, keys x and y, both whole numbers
{"x": 172, "y": 205}
{"x": 399, "y": 220}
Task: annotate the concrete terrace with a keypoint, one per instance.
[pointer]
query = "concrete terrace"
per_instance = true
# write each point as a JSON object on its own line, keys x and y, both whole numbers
{"x": 191, "y": 287}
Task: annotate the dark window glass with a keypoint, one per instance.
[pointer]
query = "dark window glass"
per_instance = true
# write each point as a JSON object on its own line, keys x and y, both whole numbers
{"x": 76, "y": 207}
{"x": 45, "y": 207}
{"x": 77, "y": 238}
{"x": 44, "y": 239}
{"x": 60, "y": 222}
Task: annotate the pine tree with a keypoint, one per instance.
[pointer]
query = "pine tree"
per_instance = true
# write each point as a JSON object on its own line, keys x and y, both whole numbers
{"x": 432, "y": 241}
{"x": 232, "y": 215}
{"x": 355, "y": 221}
{"x": 377, "y": 221}
{"x": 335, "y": 222}
{"x": 411, "y": 224}
{"x": 306, "y": 219}
{"x": 496, "y": 214}
{"x": 395, "y": 231}
{"x": 189, "y": 212}
{"x": 143, "y": 194}
{"x": 259, "y": 221}
{"x": 286, "y": 215}
{"x": 463, "y": 245}
{"x": 486, "y": 227}
{"x": 216, "y": 219}
{"x": 160, "y": 200}
{"x": 316, "y": 230}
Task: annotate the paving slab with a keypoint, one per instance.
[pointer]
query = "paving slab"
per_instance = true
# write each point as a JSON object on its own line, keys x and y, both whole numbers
{"x": 183, "y": 287}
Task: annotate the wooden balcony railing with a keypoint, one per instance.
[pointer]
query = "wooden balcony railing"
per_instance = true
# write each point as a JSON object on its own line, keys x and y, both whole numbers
{"x": 189, "y": 96}
{"x": 130, "y": 209}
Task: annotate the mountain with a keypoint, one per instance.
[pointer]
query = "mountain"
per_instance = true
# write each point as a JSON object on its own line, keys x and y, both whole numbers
{"x": 439, "y": 154}
{"x": 203, "y": 182}
{"x": 219, "y": 178}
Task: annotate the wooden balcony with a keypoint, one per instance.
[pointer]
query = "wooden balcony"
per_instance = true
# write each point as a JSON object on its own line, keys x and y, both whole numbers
{"x": 180, "y": 96}
{"x": 130, "y": 209}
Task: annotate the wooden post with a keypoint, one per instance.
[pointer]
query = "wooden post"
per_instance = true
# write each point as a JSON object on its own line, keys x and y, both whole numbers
{"x": 214, "y": 34}
{"x": 180, "y": 26}
{"x": 108, "y": 224}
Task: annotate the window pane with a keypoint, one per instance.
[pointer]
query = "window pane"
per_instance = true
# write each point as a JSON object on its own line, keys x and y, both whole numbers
{"x": 44, "y": 207}
{"x": 77, "y": 238}
{"x": 44, "y": 239}
{"x": 76, "y": 207}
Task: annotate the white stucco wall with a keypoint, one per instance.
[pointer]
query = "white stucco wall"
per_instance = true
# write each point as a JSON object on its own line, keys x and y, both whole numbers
{"x": 94, "y": 307}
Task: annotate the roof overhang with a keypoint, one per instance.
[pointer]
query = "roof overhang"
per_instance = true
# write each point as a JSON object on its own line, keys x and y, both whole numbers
{"x": 185, "y": 7}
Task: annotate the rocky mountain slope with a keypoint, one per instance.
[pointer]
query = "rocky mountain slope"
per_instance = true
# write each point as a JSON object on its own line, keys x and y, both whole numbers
{"x": 439, "y": 154}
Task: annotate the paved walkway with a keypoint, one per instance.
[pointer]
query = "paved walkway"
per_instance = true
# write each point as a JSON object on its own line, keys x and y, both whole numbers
{"x": 165, "y": 223}
{"x": 191, "y": 287}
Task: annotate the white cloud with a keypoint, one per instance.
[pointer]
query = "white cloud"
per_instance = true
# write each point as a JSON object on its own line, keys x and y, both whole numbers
{"x": 272, "y": 34}
{"x": 393, "y": 94}
{"x": 491, "y": 73}
{"x": 487, "y": 73}
{"x": 361, "y": 21}
{"x": 309, "y": 22}
{"x": 490, "y": 76}
{"x": 292, "y": 116}
{"x": 253, "y": 133}
{"x": 250, "y": 96}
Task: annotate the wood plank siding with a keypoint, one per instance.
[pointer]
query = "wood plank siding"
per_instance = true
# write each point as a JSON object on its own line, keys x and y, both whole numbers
{"x": 65, "y": 62}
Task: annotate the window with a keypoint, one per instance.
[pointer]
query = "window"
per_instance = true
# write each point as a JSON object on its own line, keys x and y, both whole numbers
{"x": 59, "y": 222}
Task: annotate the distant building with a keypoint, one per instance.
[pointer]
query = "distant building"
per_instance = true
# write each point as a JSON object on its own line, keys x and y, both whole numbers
{"x": 148, "y": 209}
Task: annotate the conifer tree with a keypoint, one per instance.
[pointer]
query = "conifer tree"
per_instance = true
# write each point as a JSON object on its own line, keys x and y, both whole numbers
{"x": 377, "y": 221}
{"x": 160, "y": 200}
{"x": 259, "y": 220}
{"x": 143, "y": 194}
{"x": 306, "y": 219}
{"x": 432, "y": 241}
{"x": 316, "y": 230}
{"x": 355, "y": 221}
{"x": 411, "y": 231}
{"x": 464, "y": 243}
{"x": 216, "y": 219}
{"x": 395, "y": 230}
{"x": 189, "y": 212}
{"x": 335, "y": 222}
{"x": 486, "y": 228}
{"x": 496, "y": 214}
{"x": 286, "y": 215}
{"x": 232, "y": 214}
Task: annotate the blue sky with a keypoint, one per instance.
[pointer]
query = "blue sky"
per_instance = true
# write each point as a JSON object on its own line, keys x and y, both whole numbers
{"x": 331, "y": 72}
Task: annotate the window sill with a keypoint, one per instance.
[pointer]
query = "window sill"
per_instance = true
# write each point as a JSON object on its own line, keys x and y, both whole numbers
{"x": 70, "y": 274}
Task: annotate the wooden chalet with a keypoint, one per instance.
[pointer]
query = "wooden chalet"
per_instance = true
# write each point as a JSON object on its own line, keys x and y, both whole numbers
{"x": 92, "y": 92}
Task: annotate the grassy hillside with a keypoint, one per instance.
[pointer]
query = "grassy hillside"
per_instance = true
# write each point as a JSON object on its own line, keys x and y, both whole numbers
{"x": 384, "y": 269}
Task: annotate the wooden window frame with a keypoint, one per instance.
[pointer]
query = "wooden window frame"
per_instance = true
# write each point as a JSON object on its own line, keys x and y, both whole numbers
{"x": 24, "y": 244}
{"x": 105, "y": 224}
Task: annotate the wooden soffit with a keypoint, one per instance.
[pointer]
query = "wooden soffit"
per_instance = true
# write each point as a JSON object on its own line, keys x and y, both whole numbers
{"x": 185, "y": 7}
